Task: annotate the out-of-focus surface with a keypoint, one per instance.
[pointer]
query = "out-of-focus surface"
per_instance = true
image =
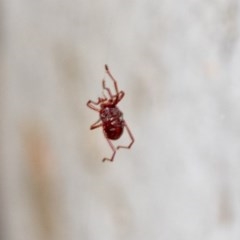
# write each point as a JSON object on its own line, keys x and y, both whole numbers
{"x": 178, "y": 62}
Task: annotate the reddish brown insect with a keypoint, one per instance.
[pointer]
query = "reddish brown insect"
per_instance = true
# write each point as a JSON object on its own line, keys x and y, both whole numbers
{"x": 111, "y": 118}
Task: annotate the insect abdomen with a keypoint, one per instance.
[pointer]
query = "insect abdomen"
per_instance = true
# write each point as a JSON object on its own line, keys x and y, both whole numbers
{"x": 112, "y": 122}
{"x": 113, "y": 131}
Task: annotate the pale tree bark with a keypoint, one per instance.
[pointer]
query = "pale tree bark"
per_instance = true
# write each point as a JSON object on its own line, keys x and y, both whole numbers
{"x": 178, "y": 63}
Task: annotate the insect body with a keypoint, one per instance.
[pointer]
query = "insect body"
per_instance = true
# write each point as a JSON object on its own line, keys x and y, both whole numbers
{"x": 113, "y": 122}
{"x": 110, "y": 117}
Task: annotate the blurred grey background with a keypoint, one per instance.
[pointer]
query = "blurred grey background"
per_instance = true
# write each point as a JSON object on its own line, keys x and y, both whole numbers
{"x": 178, "y": 63}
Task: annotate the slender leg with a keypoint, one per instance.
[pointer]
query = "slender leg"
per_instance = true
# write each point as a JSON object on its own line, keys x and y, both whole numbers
{"x": 107, "y": 89}
{"x": 113, "y": 148}
{"x": 120, "y": 95}
{"x": 96, "y": 124}
{"x": 130, "y": 135}
{"x": 90, "y": 104}
{"x": 116, "y": 98}
{"x": 113, "y": 79}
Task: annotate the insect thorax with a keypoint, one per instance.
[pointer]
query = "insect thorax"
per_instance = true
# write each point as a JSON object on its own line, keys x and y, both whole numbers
{"x": 110, "y": 114}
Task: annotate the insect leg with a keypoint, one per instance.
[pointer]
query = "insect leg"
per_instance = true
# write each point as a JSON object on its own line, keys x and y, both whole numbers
{"x": 96, "y": 124}
{"x": 112, "y": 78}
{"x": 107, "y": 89}
{"x": 90, "y": 104}
{"x": 113, "y": 148}
{"x": 130, "y": 135}
{"x": 120, "y": 95}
